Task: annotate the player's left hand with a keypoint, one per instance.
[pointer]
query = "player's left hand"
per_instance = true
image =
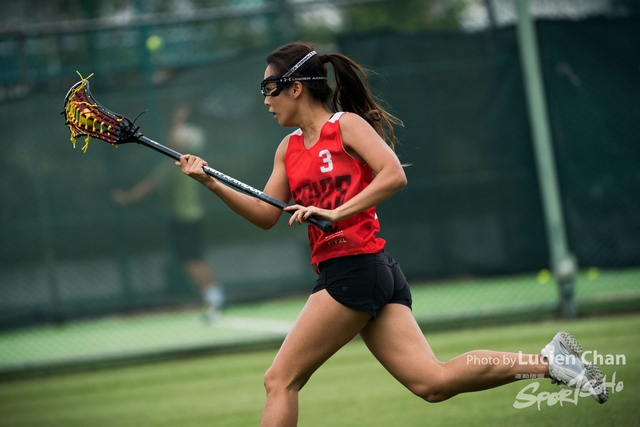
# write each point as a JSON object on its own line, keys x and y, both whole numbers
{"x": 302, "y": 213}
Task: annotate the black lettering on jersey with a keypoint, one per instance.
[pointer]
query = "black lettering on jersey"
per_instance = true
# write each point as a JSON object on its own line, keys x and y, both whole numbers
{"x": 343, "y": 182}
{"x": 303, "y": 194}
{"x": 321, "y": 191}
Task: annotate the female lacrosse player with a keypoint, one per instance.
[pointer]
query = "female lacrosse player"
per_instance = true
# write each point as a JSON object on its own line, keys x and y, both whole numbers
{"x": 336, "y": 166}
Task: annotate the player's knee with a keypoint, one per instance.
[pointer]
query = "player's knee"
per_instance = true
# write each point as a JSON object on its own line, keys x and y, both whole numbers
{"x": 271, "y": 380}
{"x": 280, "y": 381}
{"x": 429, "y": 392}
{"x": 435, "y": 397}
{"x": 432, "y": 388}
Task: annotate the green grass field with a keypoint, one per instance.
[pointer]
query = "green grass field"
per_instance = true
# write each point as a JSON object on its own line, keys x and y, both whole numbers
{"x": 437, "y": 305}
{"x": 351, "y": 389}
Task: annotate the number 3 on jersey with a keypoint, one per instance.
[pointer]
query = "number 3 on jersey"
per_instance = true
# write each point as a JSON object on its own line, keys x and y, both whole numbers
{"x": 326, "y": 159}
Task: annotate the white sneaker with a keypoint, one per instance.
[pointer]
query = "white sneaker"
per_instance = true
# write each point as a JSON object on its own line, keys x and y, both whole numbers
{"x": 211, "y": 314}
{"x": 566, "y": 367}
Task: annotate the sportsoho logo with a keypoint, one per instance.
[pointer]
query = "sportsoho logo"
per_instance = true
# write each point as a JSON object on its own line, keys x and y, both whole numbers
{"x": 528, "y": 396}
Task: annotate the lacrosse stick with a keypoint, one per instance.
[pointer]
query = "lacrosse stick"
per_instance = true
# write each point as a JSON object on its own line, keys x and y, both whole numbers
{"x": 85, "y": 116}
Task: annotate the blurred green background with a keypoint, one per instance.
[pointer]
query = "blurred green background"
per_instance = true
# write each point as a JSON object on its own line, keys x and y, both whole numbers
{"x": 468, "y": 230}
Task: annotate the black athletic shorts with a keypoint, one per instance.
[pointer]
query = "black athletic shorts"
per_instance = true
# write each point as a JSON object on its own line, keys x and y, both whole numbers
{"x": 364, "y": 282}
{"x": 186, "y": 240}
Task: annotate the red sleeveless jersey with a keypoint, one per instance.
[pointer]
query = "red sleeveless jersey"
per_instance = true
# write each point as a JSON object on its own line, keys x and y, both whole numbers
{"x": 326, "y": 176}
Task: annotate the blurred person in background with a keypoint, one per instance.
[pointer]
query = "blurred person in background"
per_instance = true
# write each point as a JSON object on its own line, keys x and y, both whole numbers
{"x": 181, "y": 197}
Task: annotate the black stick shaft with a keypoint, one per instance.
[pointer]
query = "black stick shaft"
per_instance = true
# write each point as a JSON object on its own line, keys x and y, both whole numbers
{"x": 231, "y": 182}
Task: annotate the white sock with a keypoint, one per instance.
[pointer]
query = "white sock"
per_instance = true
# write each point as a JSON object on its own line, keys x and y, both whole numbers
{"x": 214, "y": 296}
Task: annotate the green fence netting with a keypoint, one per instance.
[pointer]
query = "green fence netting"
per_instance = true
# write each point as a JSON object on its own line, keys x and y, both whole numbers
{"x": 471, "y": 211}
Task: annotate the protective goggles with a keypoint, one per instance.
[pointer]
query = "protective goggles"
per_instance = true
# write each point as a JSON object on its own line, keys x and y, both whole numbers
{"x": 283, "y": 81}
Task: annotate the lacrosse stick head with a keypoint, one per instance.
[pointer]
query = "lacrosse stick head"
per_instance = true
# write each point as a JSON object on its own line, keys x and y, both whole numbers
{"x": 85, "y": 116}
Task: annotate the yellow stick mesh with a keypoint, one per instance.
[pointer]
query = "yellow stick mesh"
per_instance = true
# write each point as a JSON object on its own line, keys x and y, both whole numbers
{"x": 75, "y": 116}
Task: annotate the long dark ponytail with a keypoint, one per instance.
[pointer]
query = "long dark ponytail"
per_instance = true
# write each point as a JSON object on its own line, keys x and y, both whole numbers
{"x": 351, "y": 91}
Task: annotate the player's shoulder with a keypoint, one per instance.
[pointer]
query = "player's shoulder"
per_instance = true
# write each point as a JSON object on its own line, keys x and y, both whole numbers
{"x": 352, "y": 124}
{"x": 354, "y": 127}
{"x": 351, "y": 121}
{"x": 287, "y": 139}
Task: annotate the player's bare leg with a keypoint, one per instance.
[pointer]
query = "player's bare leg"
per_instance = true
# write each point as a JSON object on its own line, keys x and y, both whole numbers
{"x": 200, "y": 273}
{"x": 397, "y": 342}
{"x": 323, "y": 327}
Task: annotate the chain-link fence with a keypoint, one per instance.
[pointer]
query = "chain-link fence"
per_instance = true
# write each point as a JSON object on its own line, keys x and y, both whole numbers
{"x": 449, "y": 69}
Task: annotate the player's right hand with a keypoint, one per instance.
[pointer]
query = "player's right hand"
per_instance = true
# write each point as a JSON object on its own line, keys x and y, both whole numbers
{"x": 192, "y": 166}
